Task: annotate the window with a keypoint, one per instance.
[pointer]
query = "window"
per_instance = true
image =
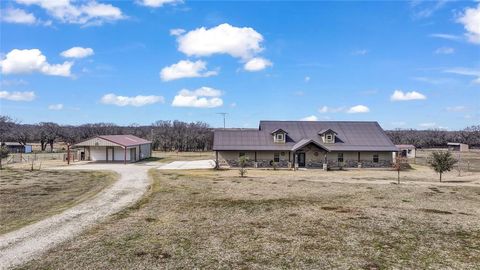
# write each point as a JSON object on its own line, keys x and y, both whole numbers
{"x": 279, "y": 137}
{"x": 340, "y": 157}
{"x": 375, "y": 158}
{"x": 241, "y": 154}
{"x": 276, "y": 157}
{"x": 409, "y": 151}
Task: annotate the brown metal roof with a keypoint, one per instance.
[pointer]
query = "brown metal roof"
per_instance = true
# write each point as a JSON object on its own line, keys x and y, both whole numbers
{"x": 112, "y": 140}
{"x": 351, "y": 136}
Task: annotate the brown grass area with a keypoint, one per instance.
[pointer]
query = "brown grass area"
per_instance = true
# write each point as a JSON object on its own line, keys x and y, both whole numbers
{"x": 184, "y": 156}
{"x": 468, "y": 161}
{"x": 30, "y": 196}
{"x": 282, "y": 219}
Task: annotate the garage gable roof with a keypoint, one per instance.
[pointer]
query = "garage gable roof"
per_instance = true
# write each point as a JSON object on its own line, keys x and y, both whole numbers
{"x": 114, "y": 140}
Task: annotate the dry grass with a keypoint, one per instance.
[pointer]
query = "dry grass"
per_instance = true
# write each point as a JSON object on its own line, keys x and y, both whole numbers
{"x": 469, "y": 161}
{"x": 30, "y": 196}
{"x": 184, "y": 156}
{"x": 283, "y": 219}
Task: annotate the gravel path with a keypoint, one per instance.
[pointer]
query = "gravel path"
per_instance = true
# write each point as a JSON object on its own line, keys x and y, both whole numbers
{"x": 31, "y": 241}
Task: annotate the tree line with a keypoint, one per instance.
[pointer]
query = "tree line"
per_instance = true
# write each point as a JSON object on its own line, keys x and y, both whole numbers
{"x": 196, "y": 136}
{"x": 435, "y": 137}
{"x": 165, "y": 135}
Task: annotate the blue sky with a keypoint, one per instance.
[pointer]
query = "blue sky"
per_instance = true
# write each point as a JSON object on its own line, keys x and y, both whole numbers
{"x": 404, "y": 64}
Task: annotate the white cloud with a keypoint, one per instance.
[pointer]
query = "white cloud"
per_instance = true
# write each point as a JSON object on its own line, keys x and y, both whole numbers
{"x": 471, "y": 22}
{"x": 20, "y": 16}
{"x": 456, "y": 108}
{"x": 399, "y": 95}
{"x": 136, "y": 101}
{"x": 158, "y": 3}
{"x": 427, "y": 125}
{"x": 55, "y": 107}
{"x": 360, "y": 52}
{"x": 257, "y": 64}
{"x": 466, "y": 72}
{"x": 326, "y": 109}
{"x": 90, "y": 13}
{"x": 186, "y": 69}
{"x": 204, "y": 97}
{"x": 239, "y": 42}
{"x": 28, "y": 61}
{"x": 445, "y": 36}
{"x": 17, "y": 96}
{"x": 444, "y": 50}
{"x": 358, "y": 109}
{"x": 307, "y": 78}
{"x": 177, "y": 31}
{"x": 309, "y": 118}
{"x": 77, "y": 52}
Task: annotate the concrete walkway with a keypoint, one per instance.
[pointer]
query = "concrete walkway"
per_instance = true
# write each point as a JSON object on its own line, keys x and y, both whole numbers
{"x": 188, "y": 165}
{"x": 33, "y": 240}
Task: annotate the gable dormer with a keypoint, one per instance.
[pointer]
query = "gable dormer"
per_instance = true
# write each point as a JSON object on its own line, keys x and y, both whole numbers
{"x": 328, "y": 135}
{"x": 279, "y": 135}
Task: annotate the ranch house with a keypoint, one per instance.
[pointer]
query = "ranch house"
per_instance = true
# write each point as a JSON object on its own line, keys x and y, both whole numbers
{"x": 305, "y": 144}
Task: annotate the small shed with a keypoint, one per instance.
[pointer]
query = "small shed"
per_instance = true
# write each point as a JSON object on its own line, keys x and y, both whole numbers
{"x": 406, "y": 150}
{"x": 15, "y": 147}
{"x": 453, "y": 146}
{"x": 114, "y": 148}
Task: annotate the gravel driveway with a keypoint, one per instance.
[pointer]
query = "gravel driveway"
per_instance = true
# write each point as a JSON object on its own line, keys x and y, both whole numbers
{"x": 188, "y": 165}
{"x": 31, "y": 241}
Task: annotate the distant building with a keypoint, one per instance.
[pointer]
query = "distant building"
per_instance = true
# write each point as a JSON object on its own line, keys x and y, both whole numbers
{"x": 406, "y": 150}
{"x": 114, "y": 148}
{"x": 15, "y": 147}
{"x": 452, "y": 146}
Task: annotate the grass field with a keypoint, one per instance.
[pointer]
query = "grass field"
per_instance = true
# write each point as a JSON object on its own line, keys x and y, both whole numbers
{"x": 30, "y": 196}
{"x": 468, "y": 161}
{"x": 283, "y": 219}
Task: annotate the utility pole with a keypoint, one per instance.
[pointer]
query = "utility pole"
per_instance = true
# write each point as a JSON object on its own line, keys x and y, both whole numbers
{"x": 224, "y": 114}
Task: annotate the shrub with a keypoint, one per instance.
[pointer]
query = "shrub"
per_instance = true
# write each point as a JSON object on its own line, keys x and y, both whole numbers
{"x": 243, "y": 164}
{"x": 442, "y": 162}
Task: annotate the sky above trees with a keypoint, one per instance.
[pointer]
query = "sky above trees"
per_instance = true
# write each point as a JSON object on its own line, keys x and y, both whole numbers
{"x": 405, "y": 64}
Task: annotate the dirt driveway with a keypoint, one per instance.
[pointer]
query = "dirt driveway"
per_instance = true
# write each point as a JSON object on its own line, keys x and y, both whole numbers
{"x": 29, "y": 242}
{"x": 188, "y": 165}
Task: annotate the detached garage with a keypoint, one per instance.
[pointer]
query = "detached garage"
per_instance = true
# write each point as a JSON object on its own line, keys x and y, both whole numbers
{"x": 114, "y": 148}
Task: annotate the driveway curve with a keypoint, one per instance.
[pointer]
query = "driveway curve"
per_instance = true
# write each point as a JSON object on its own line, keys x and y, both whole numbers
{"x": 31, "y": 241}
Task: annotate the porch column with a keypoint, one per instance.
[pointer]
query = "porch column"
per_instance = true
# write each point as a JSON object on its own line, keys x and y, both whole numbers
{"x": 125, "y": 156}
{"x": 216, "y": 160}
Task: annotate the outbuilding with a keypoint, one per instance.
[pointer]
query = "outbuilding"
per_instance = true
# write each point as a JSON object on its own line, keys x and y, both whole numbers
{"x": 114, "y": 148}
{"x": 15, "y": 147}
{"x": 406, "y": 150}
{"x": 453, "y": 146}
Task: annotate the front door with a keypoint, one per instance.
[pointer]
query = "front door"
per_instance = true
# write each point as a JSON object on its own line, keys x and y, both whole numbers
{"x": 110, "y": 154}
{"x": 133, "y": 154}
{"x": 301, "y": 160}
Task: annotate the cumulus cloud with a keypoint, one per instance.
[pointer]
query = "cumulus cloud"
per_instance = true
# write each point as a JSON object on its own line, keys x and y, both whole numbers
{"x": 204, "y": 97}
{"x": 358, "y": 109}
{"x": 186, "y": 69}
{"x": 309, "y": 118}
{"x": 471, "y": 22}
{"x": 20, "y": 16}
{"x": 136, "y": 101}
{"x": 257, "y": 64}
{"x": 399, "y": 95}
{"x": 77, "y": 52}
{"x": 239, "y": 42}
{"x": 158, "y": 3}
{"x": 17, "y": 96}
{"x": 55, "y": 107}
{"x": 29, "y": 61}
{"x": 88, "y": 13}
{"x": 444, "y": 50}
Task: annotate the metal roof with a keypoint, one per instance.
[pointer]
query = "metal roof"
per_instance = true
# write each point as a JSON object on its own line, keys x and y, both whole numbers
{"x": 405, "y": 146}
{"x": 108, "y": 140}
{"x": 351, "y": 136}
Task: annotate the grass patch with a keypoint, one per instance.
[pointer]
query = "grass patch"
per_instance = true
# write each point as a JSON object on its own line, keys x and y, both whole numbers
{"x": 30, "y": 196}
